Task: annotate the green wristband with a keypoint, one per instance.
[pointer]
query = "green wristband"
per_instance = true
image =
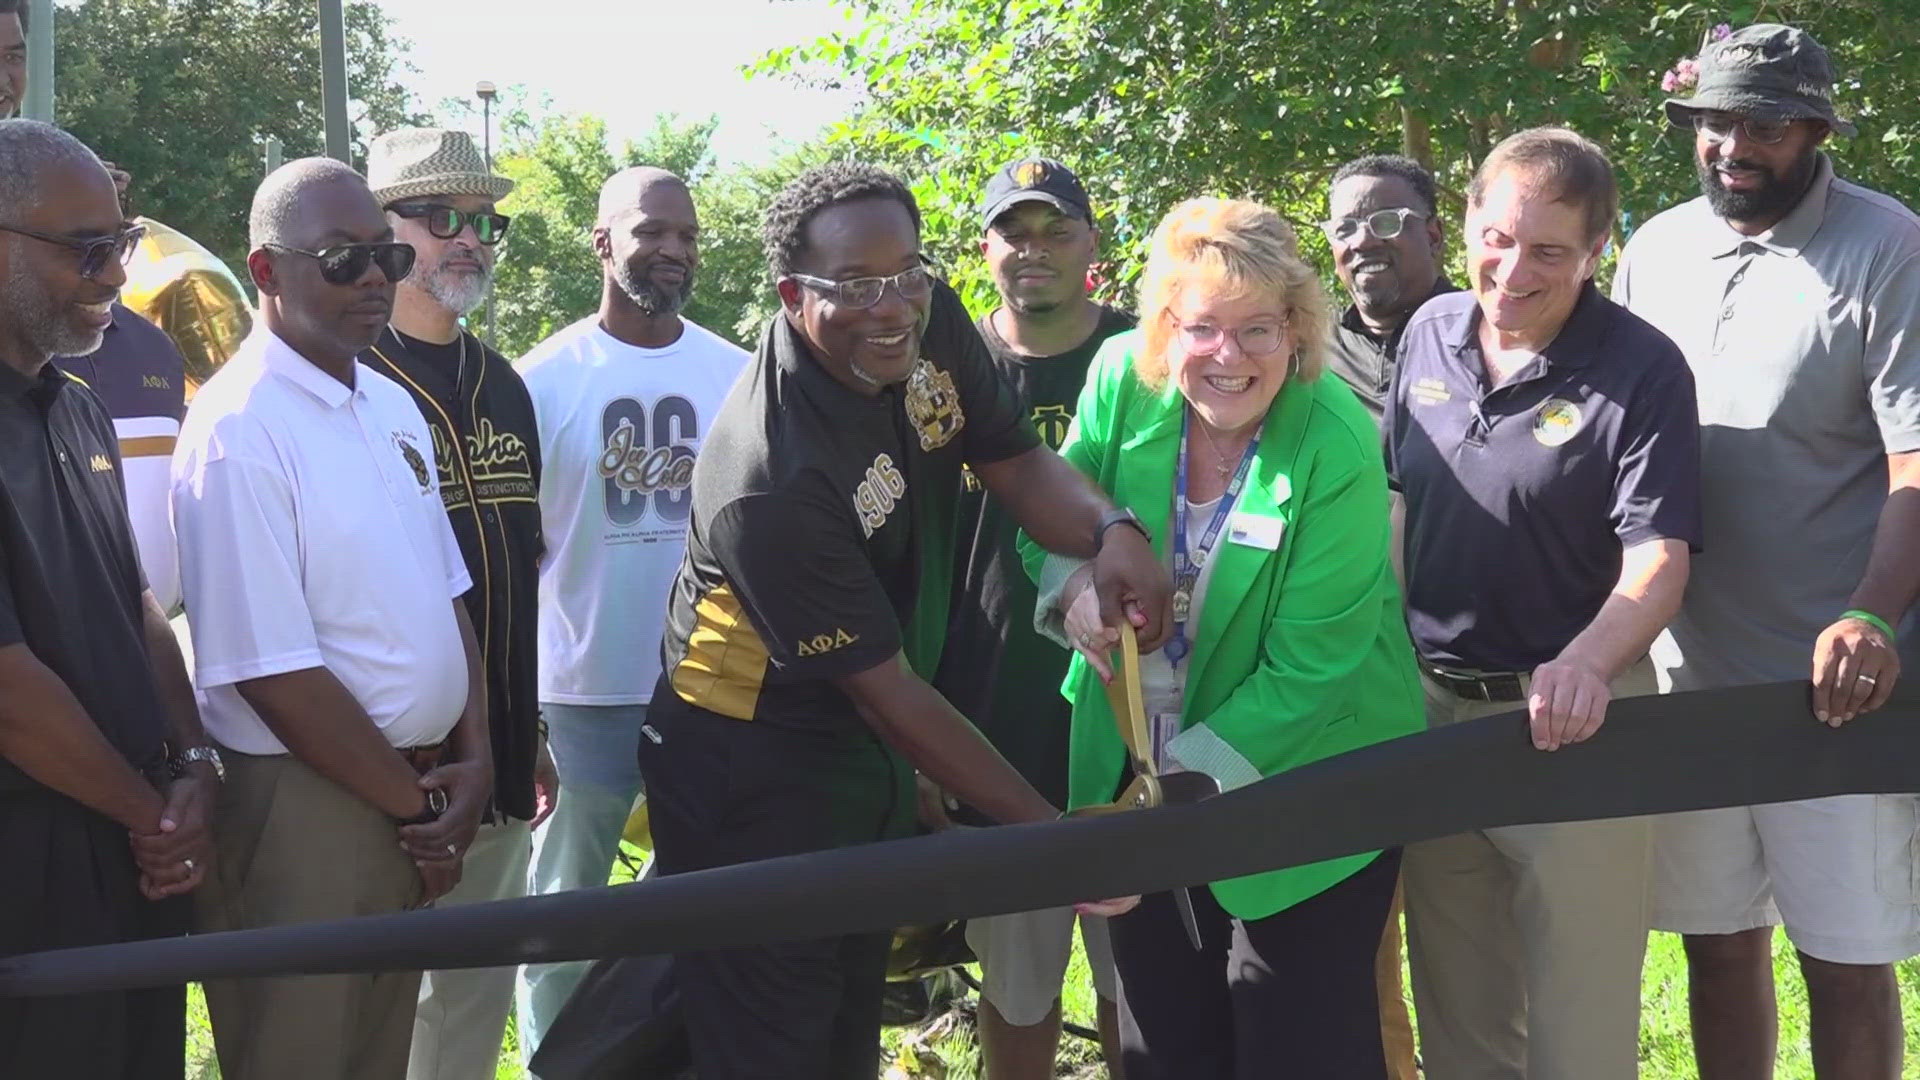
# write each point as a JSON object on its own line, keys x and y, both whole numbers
{"x": 1869, "y": 617}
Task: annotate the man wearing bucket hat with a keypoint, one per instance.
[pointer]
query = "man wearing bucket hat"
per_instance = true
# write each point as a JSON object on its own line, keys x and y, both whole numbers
{"x": 439, "y": 195}
{"x": 1794, "y": 295}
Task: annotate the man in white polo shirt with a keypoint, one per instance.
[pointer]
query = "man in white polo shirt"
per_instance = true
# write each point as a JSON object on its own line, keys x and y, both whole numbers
{"x": 622, "y": 398}
{"x": 323, "y": 588}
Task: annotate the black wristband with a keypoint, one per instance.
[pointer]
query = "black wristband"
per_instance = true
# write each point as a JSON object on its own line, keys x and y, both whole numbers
{"x": 1120, "y": 516}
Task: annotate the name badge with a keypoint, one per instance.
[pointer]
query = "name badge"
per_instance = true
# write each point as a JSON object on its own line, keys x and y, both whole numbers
{"x": 1256, "y": 531}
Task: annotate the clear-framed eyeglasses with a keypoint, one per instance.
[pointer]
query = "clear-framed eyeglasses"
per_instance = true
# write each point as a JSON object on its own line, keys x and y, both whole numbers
{"x": 1261, "y": 338}
{"x": 1719, "y": 126}
{"x": 913, "y": 283}
{"x": 1383, "y": 224}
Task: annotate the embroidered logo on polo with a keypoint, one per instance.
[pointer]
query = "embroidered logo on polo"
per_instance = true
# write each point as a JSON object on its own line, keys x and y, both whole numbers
{"x": 1431, "y": 392}
{"x": 877, "y": 496}
{"x": 502, "y": 467}
{"x": 1052, "y": 422}
{"x": 933, "y": 406}
{"x": 411, "y": 455}
{"x": 646, "y": 460}
{"x": 1557, "y": 421}
{"x": 100, "y": 463}
{"x": 820, "y": 644}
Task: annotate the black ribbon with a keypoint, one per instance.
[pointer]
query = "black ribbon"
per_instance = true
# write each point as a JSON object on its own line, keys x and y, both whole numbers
{"x": 1692, "y": 751}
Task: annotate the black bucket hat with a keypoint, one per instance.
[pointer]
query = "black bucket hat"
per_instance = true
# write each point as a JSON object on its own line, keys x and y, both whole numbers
{"x": 1765, "y": 70}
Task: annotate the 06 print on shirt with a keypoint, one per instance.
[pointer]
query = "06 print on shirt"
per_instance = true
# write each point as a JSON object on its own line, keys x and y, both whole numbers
{"x": 647, "y": 467}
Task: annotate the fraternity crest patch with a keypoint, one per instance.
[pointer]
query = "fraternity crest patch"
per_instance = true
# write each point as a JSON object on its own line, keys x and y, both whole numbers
{"x": 1557, "y": 422}
{"x": 933, "y": 406}
{"x": 1052, "y": 422}
{"x": 414, "y": 460}
{"x": 1030, "y": 174}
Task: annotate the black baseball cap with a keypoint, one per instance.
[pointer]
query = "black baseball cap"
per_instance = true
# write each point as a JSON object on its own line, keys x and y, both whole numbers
{"x": 1767, "y": 70}
{"x": 1035, "y": 180}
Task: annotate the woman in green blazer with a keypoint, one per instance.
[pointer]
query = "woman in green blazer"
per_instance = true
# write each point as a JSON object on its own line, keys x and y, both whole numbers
{"x": 1263, "y": 486}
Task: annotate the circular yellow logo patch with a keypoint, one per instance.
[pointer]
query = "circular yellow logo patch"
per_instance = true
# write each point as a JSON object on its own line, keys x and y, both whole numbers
{"x": 1557, "y": 422}
{"x": 1030, "y": 174}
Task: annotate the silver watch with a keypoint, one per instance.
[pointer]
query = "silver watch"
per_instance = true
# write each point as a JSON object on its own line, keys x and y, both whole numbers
{"x": 204, "y": 752}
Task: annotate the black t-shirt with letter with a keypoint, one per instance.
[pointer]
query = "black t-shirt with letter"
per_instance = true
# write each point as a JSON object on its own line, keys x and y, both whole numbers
{"x": 818, "y": 513}
{"x": 995, "y": 669}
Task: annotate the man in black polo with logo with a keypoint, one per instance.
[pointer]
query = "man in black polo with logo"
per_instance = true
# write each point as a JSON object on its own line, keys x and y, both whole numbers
{"x": 1384, "y": 228}
{"x": 100, "y": 829}
{"x": 1039, "y": 243}
{"x": 793, "y": 710}
{"x": 1547, "y": 445}
{"x": 439, "y": 196}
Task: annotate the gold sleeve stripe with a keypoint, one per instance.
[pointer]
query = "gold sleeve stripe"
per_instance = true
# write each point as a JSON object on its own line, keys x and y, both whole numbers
{"x": 147, "y": 446}
{"x": 725, "y": 661}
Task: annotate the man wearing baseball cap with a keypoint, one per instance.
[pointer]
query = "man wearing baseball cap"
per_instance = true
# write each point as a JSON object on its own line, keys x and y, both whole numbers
{"x": 1039, "y": 242}
{"x": 1794, "y": 295}
{"x": 439, "y": 194}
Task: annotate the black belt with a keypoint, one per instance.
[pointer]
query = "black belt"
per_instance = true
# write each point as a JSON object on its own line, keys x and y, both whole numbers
{"x": 1479, "y": 686}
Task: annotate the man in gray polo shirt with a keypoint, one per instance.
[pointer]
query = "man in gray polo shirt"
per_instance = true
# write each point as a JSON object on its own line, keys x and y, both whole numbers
{"x": 1795, "y": 296}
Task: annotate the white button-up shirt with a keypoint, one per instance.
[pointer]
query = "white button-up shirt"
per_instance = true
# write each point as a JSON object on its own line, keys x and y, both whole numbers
{"x": 312, "y": 535}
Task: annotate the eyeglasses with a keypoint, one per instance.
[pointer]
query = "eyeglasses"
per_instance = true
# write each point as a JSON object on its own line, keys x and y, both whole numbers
{"x": 1383, "y": 224}
{"x": 445, "y": 222}
{"x": 1254, "y": 339}
{"x": 864, "y": 292}
{"x": 344, "y": 264}
{"x": 94, "y": 250}
{"x": 1718, "y": 127}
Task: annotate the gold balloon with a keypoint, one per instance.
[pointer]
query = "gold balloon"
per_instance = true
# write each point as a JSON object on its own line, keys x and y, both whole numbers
{"x": 186, "y": 290}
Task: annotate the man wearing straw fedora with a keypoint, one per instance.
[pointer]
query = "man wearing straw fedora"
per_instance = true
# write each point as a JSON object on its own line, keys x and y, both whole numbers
{"x": 439, "y": 194}
{"x": 1794, "y": 295}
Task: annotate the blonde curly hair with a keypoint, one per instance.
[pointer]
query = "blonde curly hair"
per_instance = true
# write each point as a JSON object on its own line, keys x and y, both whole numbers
{"x": 1231, "y": 248}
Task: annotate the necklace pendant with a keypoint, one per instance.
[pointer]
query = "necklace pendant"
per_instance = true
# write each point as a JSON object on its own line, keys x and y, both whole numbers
{"x": 1182, "y": 605}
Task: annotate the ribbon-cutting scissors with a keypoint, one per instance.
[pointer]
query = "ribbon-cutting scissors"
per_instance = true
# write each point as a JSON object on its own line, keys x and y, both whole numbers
{"x": 1148, "y": 788}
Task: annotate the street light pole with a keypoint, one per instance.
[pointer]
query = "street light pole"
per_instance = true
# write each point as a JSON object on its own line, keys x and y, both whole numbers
{"x": 39, "y": 103}
{"x": 333, "y": 80}
{"x": 486, "y": 92}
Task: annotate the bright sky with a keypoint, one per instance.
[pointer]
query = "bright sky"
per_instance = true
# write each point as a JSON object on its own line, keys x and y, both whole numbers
{"x": 628, "y": 60}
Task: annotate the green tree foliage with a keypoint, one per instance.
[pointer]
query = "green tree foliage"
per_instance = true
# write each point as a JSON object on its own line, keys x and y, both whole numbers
{"x": 549, "y": 276}
{"x": 1152, "y": 101}
{"x": 183, "y": 93}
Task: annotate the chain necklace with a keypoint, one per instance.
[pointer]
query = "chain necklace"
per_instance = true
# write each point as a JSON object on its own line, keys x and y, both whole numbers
{"x": 1222, "y": 465}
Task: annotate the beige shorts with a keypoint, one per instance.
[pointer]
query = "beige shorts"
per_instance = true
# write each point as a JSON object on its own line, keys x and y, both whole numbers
{"x": 1842, "y": 874}
{"x": 1023, "y": 960}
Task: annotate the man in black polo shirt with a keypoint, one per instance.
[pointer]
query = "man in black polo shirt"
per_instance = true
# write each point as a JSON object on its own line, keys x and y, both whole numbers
{"x": 1547, "y": 446}
{"x": 1040, "y": 241}
{"x": 793, "y": 710}
{"x": 439, "y": 196}
{"x": 92, "y": 687}
{"x": 1384, "y": 228}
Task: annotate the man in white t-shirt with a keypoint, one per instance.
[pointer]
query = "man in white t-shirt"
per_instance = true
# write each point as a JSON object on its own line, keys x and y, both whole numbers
{"x": 340, "y": 674}
{"x": 622, "y": 398}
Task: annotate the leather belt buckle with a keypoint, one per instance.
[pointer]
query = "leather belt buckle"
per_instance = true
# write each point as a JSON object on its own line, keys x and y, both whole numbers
{"x": 1495, "y": 687}
{"x": 424, "y": 759}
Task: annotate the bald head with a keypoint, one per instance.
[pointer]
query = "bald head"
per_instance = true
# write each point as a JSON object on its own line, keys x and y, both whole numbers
{"x": 280, "y": 214}
{"x": 623, "y": 190}
{"x": 31, "y": 155}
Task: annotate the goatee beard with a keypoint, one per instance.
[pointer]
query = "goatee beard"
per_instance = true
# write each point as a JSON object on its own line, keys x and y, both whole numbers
{"x": 651, "y": 298}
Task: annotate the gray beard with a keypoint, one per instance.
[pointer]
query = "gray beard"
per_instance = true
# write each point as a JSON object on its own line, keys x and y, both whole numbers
{"x": 37, "y": 316}
{"x": 649, "y": 297}
{"x": 458, "y": 292}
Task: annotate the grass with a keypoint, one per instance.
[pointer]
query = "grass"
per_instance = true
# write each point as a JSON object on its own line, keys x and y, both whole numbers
{"x": 944, "y": 1048}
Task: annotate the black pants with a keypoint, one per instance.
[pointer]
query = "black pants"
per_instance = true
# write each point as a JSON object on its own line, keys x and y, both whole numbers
{"x": 723, "y": 791}
{"x": 71, "y": 880}
{"x": 1290, "y": 995}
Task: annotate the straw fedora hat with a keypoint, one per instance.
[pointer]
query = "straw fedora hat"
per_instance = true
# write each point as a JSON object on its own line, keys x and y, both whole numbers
{"x": 412, "y": 162}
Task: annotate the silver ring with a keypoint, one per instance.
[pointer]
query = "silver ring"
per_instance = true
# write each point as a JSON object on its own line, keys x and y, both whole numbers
{"x": 451, "y": 851}
{"x": 1868, "y": 679}
{"x": 188, "y": 863}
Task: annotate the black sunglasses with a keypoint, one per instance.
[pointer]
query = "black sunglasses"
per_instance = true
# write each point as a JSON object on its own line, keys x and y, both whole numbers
{"x": 445, "y": 223}
{"x": 344, "y": 264}
{"x": 94, "y": 250}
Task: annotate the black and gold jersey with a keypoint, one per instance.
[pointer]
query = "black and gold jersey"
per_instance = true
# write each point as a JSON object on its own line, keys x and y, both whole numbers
{"x": 822, "y": 530}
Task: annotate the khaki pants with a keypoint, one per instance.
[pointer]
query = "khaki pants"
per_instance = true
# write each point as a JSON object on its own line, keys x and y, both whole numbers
{"x": 462, "y": 1014}
{"x": 294, "y": 847}
{"x": 1396, "y": 1027}
{"x": 1527, "y": 941}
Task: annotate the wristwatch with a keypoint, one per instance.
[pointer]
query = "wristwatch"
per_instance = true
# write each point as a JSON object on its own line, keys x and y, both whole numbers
{"x": 436, "y": 805}
{"x": 177, "y": 765}
{"x": 1121, "y": 516}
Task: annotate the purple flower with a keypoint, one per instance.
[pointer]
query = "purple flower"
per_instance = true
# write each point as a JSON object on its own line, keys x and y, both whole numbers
{"x": 1722, "y": 32}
